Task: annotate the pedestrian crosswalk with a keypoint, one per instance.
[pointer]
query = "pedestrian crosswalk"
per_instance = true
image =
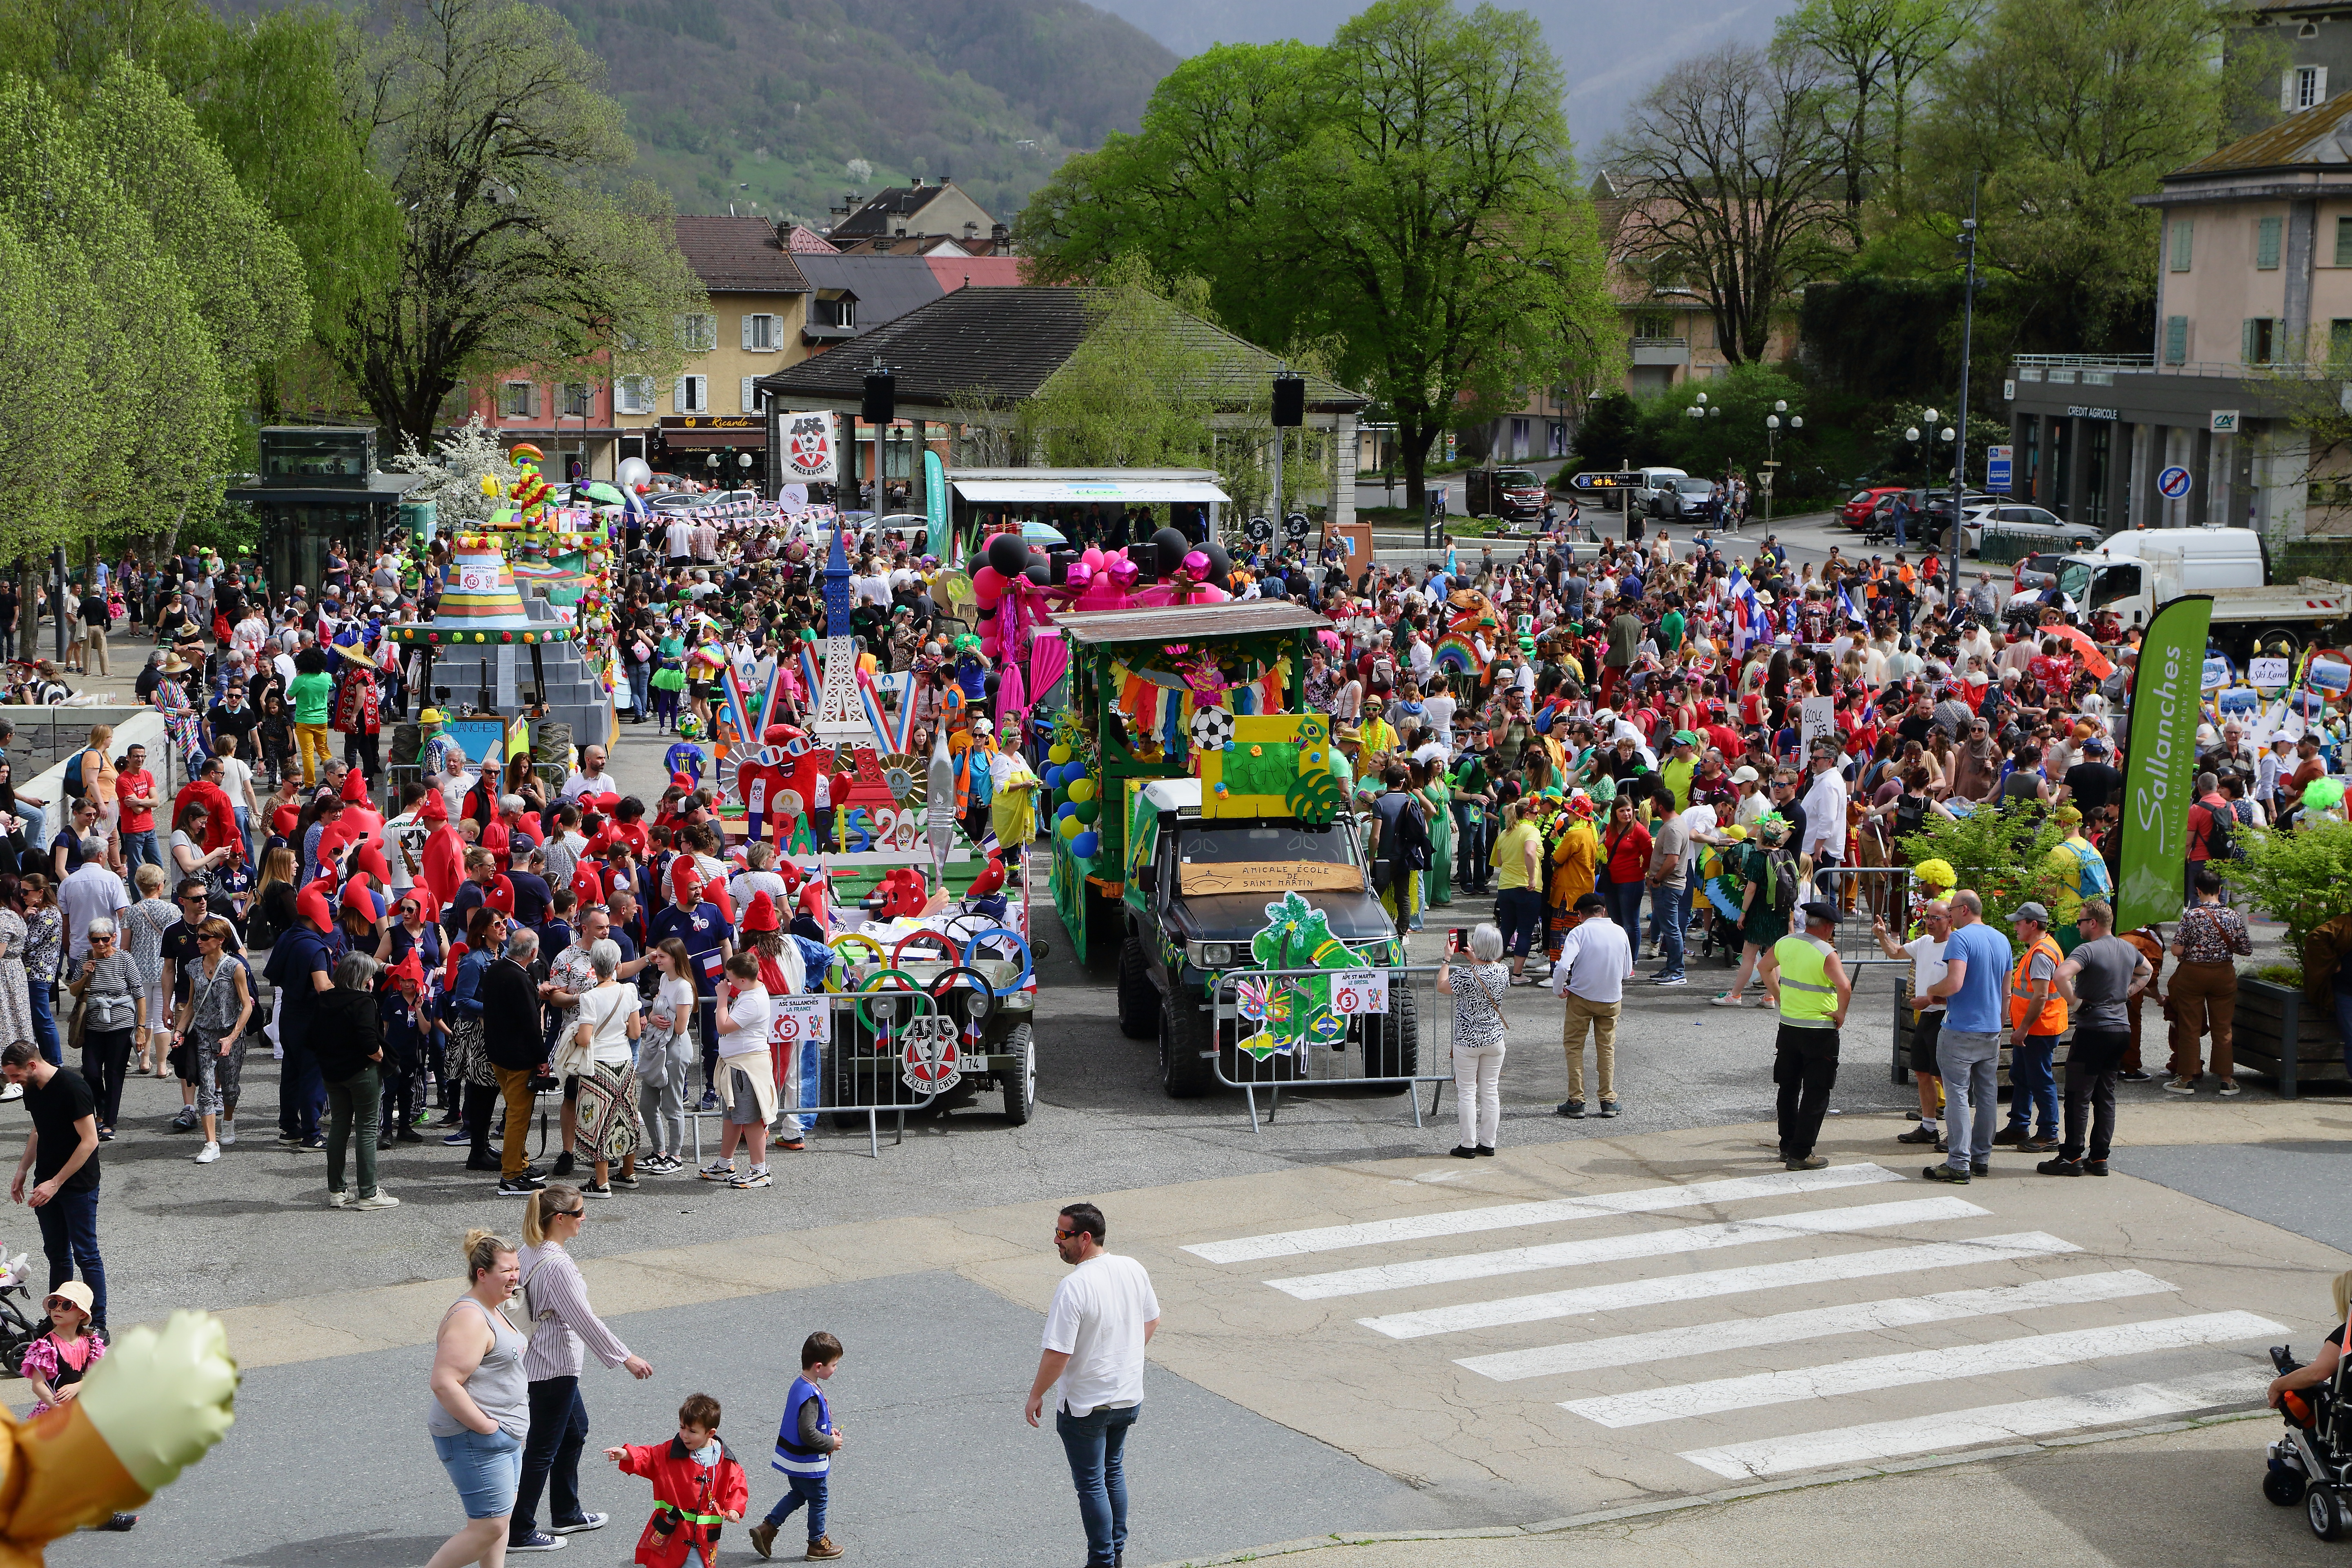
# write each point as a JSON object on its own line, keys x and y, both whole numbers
{"x": 1619, "y": 1337}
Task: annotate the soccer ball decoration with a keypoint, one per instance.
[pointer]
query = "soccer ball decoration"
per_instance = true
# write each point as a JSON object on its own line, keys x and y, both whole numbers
{"x": 1212, "y": 730}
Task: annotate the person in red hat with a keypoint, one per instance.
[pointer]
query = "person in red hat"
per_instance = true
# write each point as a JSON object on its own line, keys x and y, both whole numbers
{"x": 401, "y": 1022}
{"x": 763, "y": 936}
{"x": 303, "y": 967}
{"x": 710, "y": 942}
{"x": 357, "y": 810}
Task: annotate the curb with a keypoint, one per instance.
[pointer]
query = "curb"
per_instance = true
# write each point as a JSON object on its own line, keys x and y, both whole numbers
{"x": 1708, "y": 1499}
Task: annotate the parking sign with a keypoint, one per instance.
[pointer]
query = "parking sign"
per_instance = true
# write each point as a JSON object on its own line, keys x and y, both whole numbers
{"x": 1998, "y": 467}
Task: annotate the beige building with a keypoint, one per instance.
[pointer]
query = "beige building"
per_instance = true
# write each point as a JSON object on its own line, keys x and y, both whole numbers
{"x": 917, "y": 219}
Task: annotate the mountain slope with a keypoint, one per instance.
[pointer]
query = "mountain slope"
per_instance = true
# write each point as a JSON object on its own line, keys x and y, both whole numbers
{"x": 1612, "y": 52}
{"x": 768, "y": 100}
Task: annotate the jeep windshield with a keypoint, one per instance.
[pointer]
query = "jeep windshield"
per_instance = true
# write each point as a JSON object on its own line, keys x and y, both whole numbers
{"x": 1239, "y": 846}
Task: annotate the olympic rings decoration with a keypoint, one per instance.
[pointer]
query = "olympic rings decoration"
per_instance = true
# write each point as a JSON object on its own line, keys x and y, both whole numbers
{"x": 881, "y": 955}
{"x": 983, "y": 998}
{"x": 872, "y": 986}
{"x": 897, "y": 953}
{"x": 1028, "y": 964}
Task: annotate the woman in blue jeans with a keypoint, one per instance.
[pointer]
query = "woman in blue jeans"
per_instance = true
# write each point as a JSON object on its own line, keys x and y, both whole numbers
{"x": 481, "y": 1412}
{"x": 1625, "y": 859}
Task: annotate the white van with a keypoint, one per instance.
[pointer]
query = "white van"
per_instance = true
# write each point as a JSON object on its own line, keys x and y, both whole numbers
{"x": 1656, "y": 494}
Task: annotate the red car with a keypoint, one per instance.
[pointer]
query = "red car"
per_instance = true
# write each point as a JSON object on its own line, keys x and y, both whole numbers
{"x": 1855, "y": 513}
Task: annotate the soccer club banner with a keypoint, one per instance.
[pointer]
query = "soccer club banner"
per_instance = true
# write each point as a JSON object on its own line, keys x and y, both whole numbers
{"x": 2161, "y": 767}
{"x": 808, "y": 447}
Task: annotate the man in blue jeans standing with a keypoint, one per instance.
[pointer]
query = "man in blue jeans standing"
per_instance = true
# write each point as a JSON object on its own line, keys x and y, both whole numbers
{"x": 61, "y": 1158}
{"x": 1975, "y": 993}
{"x": 1103, "y": 1314}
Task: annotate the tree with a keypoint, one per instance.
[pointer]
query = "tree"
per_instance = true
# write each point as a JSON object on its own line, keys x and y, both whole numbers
{"x": 1876, "y": 51}
{"x": 1608, "y": 435}
{"x": 2069, "y": 108}
{"x": 486, "y": 120}
{"x": 1404, "y": 195}
{"x": 44, "y": 369}
{"x": 1730, "y": 178}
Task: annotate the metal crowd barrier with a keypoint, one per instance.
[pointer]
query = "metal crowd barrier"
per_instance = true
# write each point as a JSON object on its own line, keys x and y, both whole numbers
{"x": 1860, "y": 892}
{"x": 1298, "y": 1029}
{"x": 861, "y": 1066}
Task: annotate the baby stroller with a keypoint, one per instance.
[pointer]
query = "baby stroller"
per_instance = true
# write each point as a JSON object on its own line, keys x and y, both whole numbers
{"x": 18, "y": 1327}
{"x": 2313, "y": 1463}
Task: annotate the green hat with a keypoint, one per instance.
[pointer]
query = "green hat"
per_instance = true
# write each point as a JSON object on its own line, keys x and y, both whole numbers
{"x": 1685, "y": 738}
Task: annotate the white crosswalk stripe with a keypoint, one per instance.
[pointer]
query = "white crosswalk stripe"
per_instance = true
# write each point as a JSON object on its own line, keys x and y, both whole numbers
{"x": 1820, "y": 1322}
{"x": 1615, "y": 1249}
{"x": 1614, "y": 1335}
{"x": 1987, "y": 1424}
{"x": 1661, "y": 1290}
{"x": 1910, "y": 1368}
{"x": 1509, "y": 1217}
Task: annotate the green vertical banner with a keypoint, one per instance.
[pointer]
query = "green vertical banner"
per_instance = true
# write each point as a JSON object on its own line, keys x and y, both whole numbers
{"x": 2160, "y": 768}
{"x": 935, "y": 503}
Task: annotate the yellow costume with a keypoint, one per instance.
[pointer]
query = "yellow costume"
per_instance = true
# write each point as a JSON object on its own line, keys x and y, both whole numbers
{"x": 1575, "y": 859}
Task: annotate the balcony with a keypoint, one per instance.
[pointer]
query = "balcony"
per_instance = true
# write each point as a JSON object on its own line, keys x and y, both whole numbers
{"x": 1659, "y": 351}
{"x": 2101, "y": 370}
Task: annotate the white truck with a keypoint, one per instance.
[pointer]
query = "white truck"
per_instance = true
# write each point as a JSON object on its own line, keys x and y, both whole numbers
{"x": 2129, "y": 574}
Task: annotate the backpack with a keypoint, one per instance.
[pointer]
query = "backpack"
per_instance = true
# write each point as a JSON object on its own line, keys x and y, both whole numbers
{"x": 1911, "y": 815}
{"x": 1781, "y": 879}
{"x": 74, "y": 785}
{"x": 2094, "y": 876}
{"x": 2220, "y": 845}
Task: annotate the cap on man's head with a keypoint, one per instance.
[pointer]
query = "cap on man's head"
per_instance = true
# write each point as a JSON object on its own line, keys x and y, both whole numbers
{"x": 2031, "y": 911}
{"x": 1818, "y": 910}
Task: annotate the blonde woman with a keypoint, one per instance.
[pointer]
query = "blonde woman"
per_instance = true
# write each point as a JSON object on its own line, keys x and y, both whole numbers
{"x": 212, "y": 1022}
{"x": 481, "y": 1409}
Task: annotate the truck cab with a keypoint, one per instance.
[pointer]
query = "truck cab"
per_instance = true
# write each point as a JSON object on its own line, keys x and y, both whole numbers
{"x": 2130, "y": 575}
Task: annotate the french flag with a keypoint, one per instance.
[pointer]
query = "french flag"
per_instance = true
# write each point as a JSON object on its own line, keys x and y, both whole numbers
{"x": 1743, "y": 598}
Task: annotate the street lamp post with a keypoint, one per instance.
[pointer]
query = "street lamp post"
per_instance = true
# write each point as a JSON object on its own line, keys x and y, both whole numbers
{"x": 1771, "y": 458}
{"x": 1701, "y": 410}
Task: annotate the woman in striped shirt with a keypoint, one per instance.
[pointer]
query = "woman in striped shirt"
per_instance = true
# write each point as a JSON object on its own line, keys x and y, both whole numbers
{"x": 555, "y": 1299}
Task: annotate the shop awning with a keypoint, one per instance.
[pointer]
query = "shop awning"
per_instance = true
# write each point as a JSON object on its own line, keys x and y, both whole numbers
{"x": 1120, "y": 492}
{"x": 753, "y": 439}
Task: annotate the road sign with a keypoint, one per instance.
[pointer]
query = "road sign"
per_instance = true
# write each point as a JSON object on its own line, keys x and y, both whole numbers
{"x": 2172, "y": 483}
{"x": 1999, "y": 469}
{"x": 1603, "y": 481}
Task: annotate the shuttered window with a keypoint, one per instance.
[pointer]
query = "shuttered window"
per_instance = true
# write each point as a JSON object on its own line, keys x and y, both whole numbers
{"x": 2183, "y": 235}
{"x": 2266, "y": 243}
{"x": 2176, "y": 340}
{"x": 763, "y": 334}
{"x": 634, "y": 394}
{"x": 690, "y": 395}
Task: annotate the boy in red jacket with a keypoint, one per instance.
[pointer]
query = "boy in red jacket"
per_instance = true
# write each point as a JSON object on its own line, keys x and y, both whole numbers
{"x": 696, "y": 1485}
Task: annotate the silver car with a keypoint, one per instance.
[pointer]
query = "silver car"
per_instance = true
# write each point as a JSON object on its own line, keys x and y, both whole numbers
{"x": 2031, "y": 522}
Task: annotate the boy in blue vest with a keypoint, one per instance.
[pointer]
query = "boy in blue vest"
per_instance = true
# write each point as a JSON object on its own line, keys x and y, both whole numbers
{"x": 806, "y": 1440}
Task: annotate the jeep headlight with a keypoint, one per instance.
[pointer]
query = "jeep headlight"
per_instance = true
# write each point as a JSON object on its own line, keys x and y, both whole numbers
{"x": 1209, "y": 954}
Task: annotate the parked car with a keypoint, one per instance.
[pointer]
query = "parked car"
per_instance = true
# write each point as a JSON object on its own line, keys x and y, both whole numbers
{"x": 2031, "y": 522}
{"x": 1685, "y": 499}
{"x": 1654, "y": 486}
{"x": 1862, "y": 504}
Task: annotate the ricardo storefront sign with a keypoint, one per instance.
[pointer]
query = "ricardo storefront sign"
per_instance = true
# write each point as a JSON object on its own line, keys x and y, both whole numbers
{"x": 714, "y": 430}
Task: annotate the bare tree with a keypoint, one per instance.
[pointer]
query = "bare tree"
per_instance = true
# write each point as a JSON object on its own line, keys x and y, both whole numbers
{"x": 1872, "y": 54}
{"x": 1730, "y": 173}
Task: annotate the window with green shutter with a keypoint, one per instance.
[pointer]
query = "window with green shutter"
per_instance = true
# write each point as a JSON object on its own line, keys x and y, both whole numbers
{"x": 2339, "y": 340}
{"x": 2266, "y": 243}
{"x": 2344, "y": 242}
{"x": 2176, "y": 340}
{"x": 2184, "y": 231}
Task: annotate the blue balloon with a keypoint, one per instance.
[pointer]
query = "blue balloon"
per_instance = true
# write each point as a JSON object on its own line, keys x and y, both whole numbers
{"x": 1084, "y": 845}
{"x": 1057, "y": 776}
{"x": 1066, "y": 808}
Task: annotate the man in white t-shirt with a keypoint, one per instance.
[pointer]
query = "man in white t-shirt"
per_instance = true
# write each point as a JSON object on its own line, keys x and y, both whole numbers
{"x": 1103, "y": 1315}
{"x": 1926, "y": 952}
{"x": 677, "y": 540}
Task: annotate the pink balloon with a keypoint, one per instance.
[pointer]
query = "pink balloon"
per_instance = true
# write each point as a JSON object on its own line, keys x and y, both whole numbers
{"x": 1196, "y": 564}
{"x": 992, "y": 644}
{"x": 987, "y": 588}
{"x": 1206, "y": 593}
{"x": 1093, "y": 559}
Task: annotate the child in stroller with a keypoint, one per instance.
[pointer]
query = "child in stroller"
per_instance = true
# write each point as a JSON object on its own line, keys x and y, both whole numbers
{"x": 2311, "y": 1464}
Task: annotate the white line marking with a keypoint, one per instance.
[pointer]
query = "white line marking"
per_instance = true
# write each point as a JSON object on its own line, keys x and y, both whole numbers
{"x": 1613, "y": 1248}
{"x": 1912, "y": 1367}
{"x": 1987, "y": 1424}
{"x": 1813, "y": 1323}
{"x": 1661, "y": 1289}
{"x": 1508, "y": 1216}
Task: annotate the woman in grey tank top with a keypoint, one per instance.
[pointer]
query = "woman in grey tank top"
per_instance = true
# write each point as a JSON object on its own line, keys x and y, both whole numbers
{"x": 480, "y": 1412}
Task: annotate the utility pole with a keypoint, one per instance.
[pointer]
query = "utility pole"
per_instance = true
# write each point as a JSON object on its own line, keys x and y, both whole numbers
{"x": 1968, "y": 334}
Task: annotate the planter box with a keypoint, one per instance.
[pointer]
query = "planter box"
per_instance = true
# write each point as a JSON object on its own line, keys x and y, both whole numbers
{"x": 1902, "y": 1070}
{"x": 2269, "y": 1016}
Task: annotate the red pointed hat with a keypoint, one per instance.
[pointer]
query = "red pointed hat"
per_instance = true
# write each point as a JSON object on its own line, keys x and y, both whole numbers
{"x": 434, "y": 808}
{"x": 760, "y": 915}
{"x": 684, "y": 875}
{"x": 310, "y": 904}
{"x": 411, "y": 967}
{"x": 355, "y": 787}
{"x": 359, "y": 896}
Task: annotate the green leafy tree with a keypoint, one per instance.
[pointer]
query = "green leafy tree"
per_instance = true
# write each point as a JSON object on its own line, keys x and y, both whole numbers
{"x": 2300, "y": 877}
{"x": 44, "y": 370}
{"x": 1872, "y": 55}
{"x": 1609, "y": 435}
{"x": 2002, "y": 857}
{"x": 1404, "y": 195}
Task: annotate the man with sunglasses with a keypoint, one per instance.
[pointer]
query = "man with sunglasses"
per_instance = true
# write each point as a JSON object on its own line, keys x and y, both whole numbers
{"x": 182, "y": 958}
{"x": 1103, "y": 1315}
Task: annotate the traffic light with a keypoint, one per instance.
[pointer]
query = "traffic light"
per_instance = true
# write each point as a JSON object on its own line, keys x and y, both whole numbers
{"x": 1289, "y": 402}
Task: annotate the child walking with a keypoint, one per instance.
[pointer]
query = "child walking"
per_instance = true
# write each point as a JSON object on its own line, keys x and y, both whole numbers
{"x": 56, "y": 1363}
{"x": 696, "y": 1485}
{"x": 807, "y": 1441}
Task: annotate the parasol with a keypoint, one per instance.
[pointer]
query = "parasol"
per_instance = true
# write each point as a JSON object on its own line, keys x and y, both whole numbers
{"x": 2097, "y": 663}
{"x": 599, "y": 492}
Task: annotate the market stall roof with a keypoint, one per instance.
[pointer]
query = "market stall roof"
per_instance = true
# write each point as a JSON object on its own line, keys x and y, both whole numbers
{"x": 1183, "y": 623}
{"x": 1126, "y": 487}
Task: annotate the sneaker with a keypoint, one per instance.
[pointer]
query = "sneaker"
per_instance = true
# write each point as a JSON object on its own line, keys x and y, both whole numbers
{"x": 586, "y": 1521}
{"x": 118, "y": 1523}
{"x": 1727, "y": 999}
{"x": 2180, "y": 1086}
{"x": 2095, "y": 1167}
{"x": 564, "y": 1165}
{"x": 1608, "y": 1109}
{"x": 376, "y": 1201}
{"x": 314, "y": 1142}
{"x": 2041, "y": 1145}
{"x": 710, "y": 1100}
{"x": 2136, "y": 1076}
{"x": 763, "y": 1539}
{"x": 519, "y": 1187}
{"x": 1571, "y": 1107}
{"x": 822, "y": 1549}
{"x": 1810, "y": 1163}
{"x": 1676, "y": 978}
{"x": 757, "y": 1176}
{"x": 2060, "y": 1167}
{"x": 1945, "y": 1174}
{"x": 2229, "y": 1089}
{"x": 208, "y": 1154}
{"x": 2012, "y": 1133}
{"x": 718, "y": 1171}
{"x": 186, "y": 1120}
{"x": 591, "y": 1190}
{"x": 105, "y": 1134}
{"x": 422, "y": 1117}
{"x": 382, "y": 1142}
{"x": 538, "y": 1540}
{"x": 339, "y": 1200}
{"x": 793, "y": 1146}
{"x": 228, "y": 1134}
{"x": 408, "y": 1135}
{"x": 626, "y": 1184}
{"x": 456, "y": 1140}
{"x": 291, "y": 1140}
{"x": 1923, "y": 1134}
{"x": 1980, "y": 1170}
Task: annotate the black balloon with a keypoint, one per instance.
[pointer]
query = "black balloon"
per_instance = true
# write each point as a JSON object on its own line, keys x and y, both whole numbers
{"x": 1220, "y": 565}
{"x": 994, "y": 680}
{"x": 1008, "y": 554}
{"x": 1171, "y": 547}
{"x": 1040, "y": 573}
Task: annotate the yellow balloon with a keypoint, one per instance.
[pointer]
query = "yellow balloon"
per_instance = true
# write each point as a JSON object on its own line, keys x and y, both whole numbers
{"x": 489, "y": 484}
{"x": 1057, "y": 753}
{"x": 1082, "y": 789}
{"x": 1070, "y": 827}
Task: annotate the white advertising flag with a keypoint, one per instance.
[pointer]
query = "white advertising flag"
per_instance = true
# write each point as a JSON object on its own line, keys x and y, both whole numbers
{"x": 808, "y": 447}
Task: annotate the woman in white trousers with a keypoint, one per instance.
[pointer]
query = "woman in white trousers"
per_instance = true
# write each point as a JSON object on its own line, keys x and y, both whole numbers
{"x": 1479, "y": 1038}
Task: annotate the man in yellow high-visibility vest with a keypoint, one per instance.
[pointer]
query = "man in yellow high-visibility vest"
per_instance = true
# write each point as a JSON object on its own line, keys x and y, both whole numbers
{"x": 1804, "y": 978}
